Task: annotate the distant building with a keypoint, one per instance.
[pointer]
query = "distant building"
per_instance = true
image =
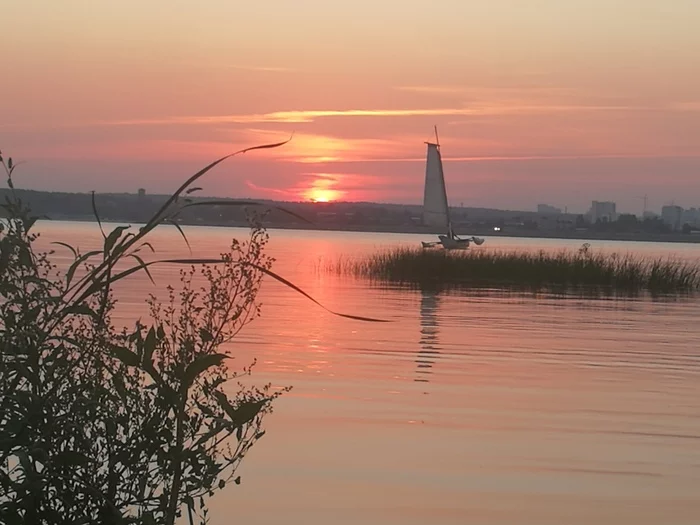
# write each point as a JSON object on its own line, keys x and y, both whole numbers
{"x": 603, "y": 211}
{"x": 691, "y": 216}
{"x": 546, "y": 209}
{"x": 671, "y": 215}
{"x": 141, "y": 193}
{"x": 649, "y": 215}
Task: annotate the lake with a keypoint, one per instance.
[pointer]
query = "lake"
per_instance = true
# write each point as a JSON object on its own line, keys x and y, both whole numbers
{"x": 481, "y": 407}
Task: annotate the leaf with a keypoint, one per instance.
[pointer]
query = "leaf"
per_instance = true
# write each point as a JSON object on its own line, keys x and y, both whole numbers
{"x": 199, "y": 365}
{"x": 72, "y": 457}
{"x": 222, "y": 484}
{"x": 9, "y": 163}
{"x": 149, "y": 345}
{"x": 24, "y": 256}
{"x": 75, "y": 253}
{"x": 143, "y": 265}
{"x": 29, "y": 223}
{"x": 169, "y": 221}
{"x": 97, "y": 215}
{"x": 302, "y": 292}
{"x": 112, "y": 238}
{"x": 243, "y": 413}
{"x": 205, "y": 335}
{"x": 125, "y": 355}
{"x": 83, "y": 309}
{"x": 119, "y": 385}
{"x": 237, "y": 481}
{"x": 77, "y": 262}
{"x": 148, "y": 245}
{"x": 192, "y": 190}
{"x": 24, "y": 461}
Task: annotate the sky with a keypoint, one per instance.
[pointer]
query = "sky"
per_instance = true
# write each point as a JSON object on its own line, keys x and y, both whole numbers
{"x": 537, "y": 101}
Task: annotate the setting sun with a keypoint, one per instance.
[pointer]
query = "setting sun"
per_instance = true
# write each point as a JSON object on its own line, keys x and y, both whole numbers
{"x": 322, "y": 195}
{"x": 322, "y": 190}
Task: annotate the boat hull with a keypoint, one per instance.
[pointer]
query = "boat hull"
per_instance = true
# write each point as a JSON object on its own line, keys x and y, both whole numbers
{"x": 451, "y": 243}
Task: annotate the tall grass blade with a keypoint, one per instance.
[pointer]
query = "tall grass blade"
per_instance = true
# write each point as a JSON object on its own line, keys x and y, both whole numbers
{"x": 97, "y": 215}
{"x": 187, "y": 242}
{"x": 66, "y": 245}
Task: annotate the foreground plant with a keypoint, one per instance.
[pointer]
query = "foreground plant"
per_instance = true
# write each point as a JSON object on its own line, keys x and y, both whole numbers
{"x": 133, "y": 426}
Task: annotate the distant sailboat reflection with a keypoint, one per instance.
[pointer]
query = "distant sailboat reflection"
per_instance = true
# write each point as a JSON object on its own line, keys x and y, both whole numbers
{"x": 429, "y": 349}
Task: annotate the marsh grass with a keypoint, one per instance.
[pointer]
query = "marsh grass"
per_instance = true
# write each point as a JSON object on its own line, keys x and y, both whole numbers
{"x": 580, "y": 270}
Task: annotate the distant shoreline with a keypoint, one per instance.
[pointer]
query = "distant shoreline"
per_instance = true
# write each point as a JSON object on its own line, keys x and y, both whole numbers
{"x": 347, "y": 217}
{"x": 673, "y": 238}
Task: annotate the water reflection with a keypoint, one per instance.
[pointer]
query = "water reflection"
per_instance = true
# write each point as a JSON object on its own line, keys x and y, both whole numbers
{"x": 429, "y": 345}
{"x": 528, "y": 380}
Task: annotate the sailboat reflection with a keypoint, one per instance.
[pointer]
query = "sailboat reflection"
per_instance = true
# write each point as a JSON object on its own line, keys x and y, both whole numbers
{"x": 429, "y": 346}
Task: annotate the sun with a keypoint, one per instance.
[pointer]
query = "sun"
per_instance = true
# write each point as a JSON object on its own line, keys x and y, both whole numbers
{"x": 322, "y": 195}
{"x": 322, "y": 190}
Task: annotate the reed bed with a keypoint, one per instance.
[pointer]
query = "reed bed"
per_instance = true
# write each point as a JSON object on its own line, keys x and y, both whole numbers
{"x": 581, "y": 269}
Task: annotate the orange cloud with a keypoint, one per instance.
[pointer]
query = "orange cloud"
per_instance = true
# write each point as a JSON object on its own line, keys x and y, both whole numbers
{"x": 487, "y": 108}
{"x": 264, "y": 69}
{"x": 314, "y": 149}
{"x": 687, "y": 106}
{"x": 447, "y": 158}
{"x": 307, "y": 116}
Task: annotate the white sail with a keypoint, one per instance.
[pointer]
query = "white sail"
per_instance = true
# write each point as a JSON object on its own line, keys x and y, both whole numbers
{"x": 435, "y": 209}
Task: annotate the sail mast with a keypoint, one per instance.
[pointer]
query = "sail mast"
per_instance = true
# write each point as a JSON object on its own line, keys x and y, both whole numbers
{"x": 447, "y": 205}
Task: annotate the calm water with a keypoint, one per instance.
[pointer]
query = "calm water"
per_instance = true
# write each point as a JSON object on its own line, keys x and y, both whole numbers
{"x": 469, "y": 408}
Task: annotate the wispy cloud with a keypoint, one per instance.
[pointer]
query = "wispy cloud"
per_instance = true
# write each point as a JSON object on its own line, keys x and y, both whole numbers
{"x": 275, "y": 191}
{"x": 506, "y": 158}
{"x": 437, "y": 90}
{"x": 490, "y": 92}
{"x": 306, "y": 116}
{"x": 687, "y": 106}
{"x": 308, "y": 148}
{"x": 242, "y": 67}
{"x": 266, "y": 69}
{"x": 503, "y": 108}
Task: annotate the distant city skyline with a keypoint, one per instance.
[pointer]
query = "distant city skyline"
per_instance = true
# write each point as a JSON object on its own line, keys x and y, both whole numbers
{"x": 536, "y": 102}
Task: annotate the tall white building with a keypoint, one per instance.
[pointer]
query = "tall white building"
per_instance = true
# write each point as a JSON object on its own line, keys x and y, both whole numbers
{"x": 671, "y": 215}
{"x": 602, "y": 211}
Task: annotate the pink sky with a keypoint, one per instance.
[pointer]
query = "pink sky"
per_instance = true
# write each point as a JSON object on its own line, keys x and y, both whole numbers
{"x": 537, "y": 101}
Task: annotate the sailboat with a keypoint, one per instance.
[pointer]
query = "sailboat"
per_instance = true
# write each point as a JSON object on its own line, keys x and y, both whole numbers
{"x": 436, "y": 212}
